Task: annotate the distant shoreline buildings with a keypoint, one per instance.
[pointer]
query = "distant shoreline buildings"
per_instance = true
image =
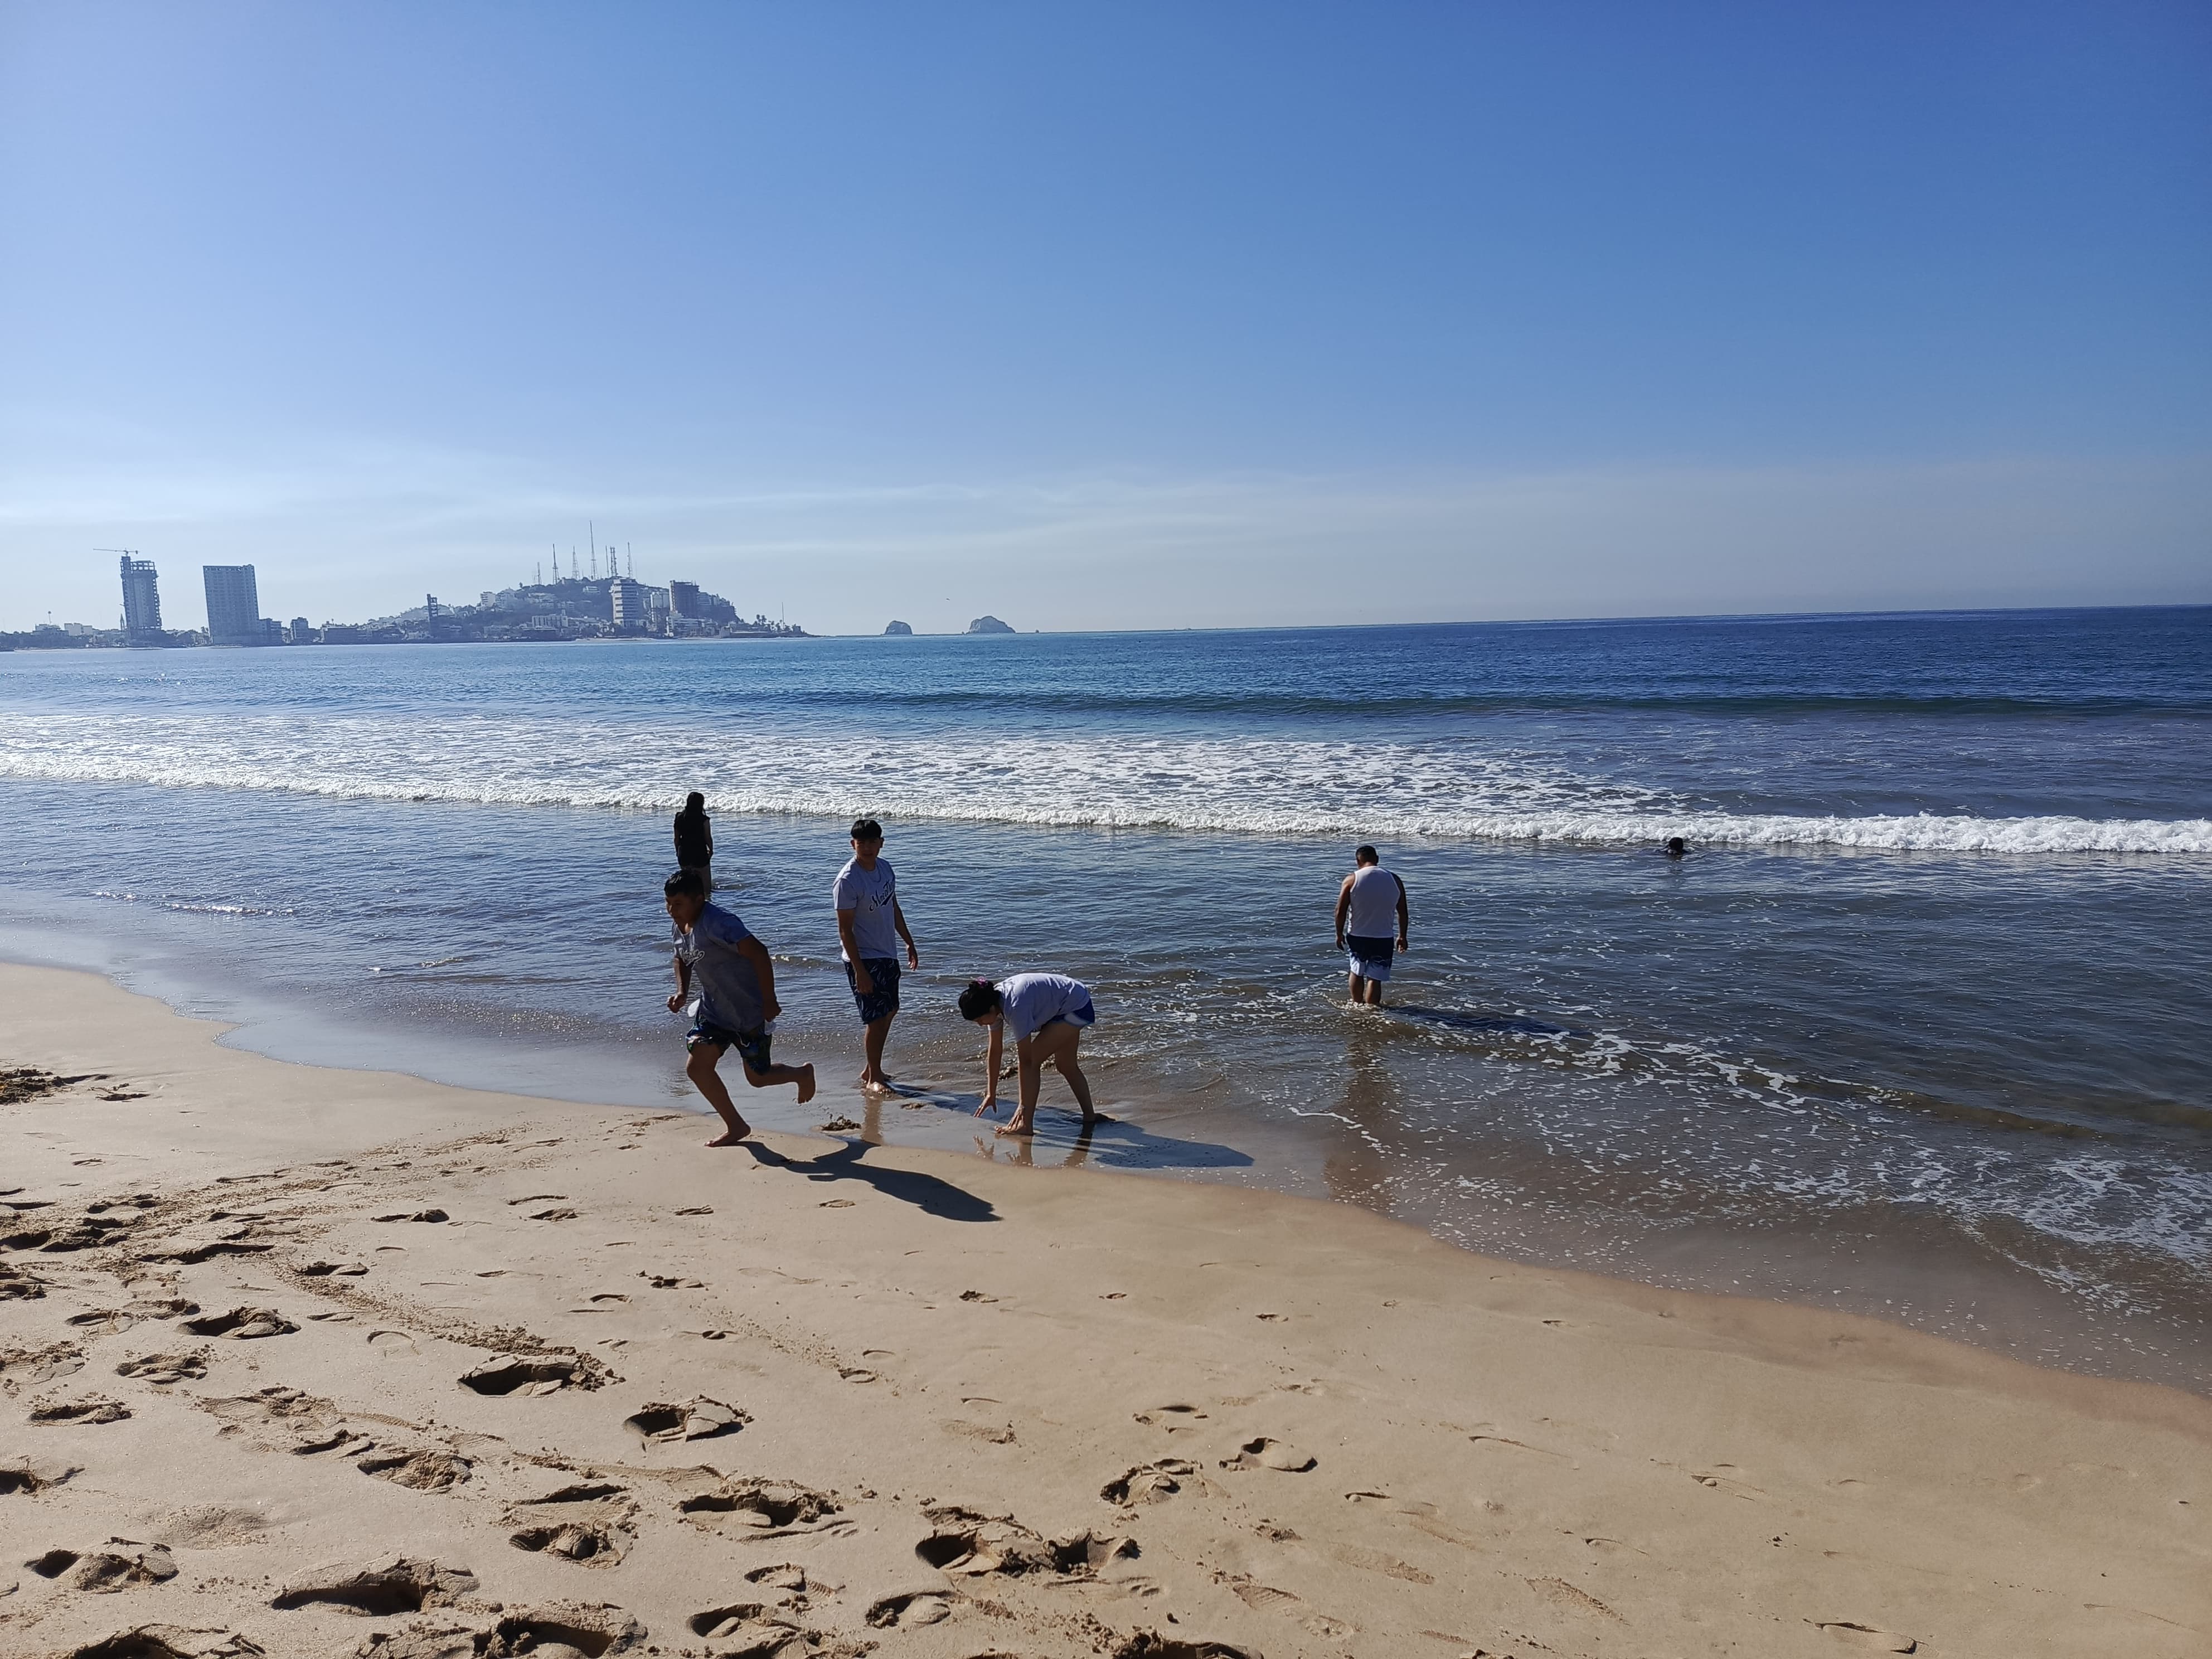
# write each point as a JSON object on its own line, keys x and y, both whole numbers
{"x": 571, "y": 607}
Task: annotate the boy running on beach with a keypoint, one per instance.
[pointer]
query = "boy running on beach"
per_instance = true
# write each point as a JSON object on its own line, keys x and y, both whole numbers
{"x": 870, "y": 924}
{"x": 1370, "y": 901}
{"x": 736, "y": 983}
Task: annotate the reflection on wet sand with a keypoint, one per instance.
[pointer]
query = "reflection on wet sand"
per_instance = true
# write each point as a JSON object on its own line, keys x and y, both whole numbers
{"x": 1356, "y": 1170}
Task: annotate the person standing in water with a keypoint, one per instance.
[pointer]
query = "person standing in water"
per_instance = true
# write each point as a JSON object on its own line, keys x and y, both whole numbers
{"x": 694, "y": 838}
{"x": 729, "y": 970}
{"x": 870, "y": 924}
{"x": 1371, "y": 907}
{"x": 1048, "y": 1014}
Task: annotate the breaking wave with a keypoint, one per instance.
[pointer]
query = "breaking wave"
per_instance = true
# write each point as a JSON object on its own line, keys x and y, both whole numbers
{"x": 1261, "y": 786}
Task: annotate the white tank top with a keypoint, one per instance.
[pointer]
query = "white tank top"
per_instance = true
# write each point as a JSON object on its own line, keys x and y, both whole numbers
{"x": 1374, "y": 904}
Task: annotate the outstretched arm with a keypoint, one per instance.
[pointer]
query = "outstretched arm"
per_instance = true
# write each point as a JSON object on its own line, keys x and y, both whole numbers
{"x": 763, "y": 970}
{"x": 991, "y": 1069}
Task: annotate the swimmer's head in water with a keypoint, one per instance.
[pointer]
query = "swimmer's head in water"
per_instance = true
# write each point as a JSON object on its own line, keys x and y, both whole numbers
{"x": 1365, "y": 855}
{"x": 1676, "y": 847}
{"x": 979, "y": 1000}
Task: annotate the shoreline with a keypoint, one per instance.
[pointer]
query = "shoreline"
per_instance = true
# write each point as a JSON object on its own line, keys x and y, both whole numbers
{"x": 961, "y": 1356}
{"x": 1167, "y": 1133}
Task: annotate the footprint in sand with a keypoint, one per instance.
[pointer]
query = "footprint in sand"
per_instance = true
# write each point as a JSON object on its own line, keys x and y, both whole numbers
{"x": 393, "y": 1345}
{"x": 1173, "y": 1417}
{"x": 910, "y": 1610}
{"x": 404, "y": 1585}
{"x": 103, "y": 1572}
{"x": 662, "y": 1424}
{"x": 537, "y": 1198}
{"x": 163, "y": 1369}
{"x": 599, "y": 1542}
{"x": 508, "y": 1374}
{"x": 1149, "y": 1483}
{"x": 419, "y": 1470}
{"x": 240, "y": 1324}
{"x": 725, "y": 1622}
{"x": 414, "y": 1215}
{"x": 1866, "y": 1637}
{"x": 31, "y": 1479}
{"x": 95, "y": 1409}
{"x": 1263, "y": 1453}
{"x": 554, "y": 1215}
{"x": 769, "y": 1509}
{"x": 835, "y": 1204}
{"x": 696, "y": 1209}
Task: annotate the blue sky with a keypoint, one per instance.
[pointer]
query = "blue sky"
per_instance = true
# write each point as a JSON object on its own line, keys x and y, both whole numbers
{"x": 1112, "y": 315}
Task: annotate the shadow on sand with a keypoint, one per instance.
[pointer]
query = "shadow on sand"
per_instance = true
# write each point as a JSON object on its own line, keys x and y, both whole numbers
{"x": 926, "y": 1193}
{"x": 1111, "y": 1143}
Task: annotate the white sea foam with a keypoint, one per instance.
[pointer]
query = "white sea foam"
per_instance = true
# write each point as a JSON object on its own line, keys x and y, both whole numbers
{"x": 1261, "y": 785}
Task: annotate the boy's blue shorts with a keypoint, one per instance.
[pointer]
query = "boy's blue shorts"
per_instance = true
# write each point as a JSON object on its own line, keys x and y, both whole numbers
{"x": 752, "y": 1047}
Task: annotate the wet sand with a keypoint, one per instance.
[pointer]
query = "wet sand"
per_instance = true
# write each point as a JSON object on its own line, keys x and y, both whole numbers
{"x": 304, "y": 1361}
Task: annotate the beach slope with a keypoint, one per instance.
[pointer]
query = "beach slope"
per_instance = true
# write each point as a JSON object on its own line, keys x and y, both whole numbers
{"x": 301, "y": 1361}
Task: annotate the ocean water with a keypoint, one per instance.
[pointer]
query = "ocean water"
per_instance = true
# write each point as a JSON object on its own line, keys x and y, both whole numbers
{"x": 1918, "y": 1028}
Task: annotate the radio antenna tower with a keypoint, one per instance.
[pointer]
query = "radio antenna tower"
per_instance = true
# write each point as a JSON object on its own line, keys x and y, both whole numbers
{"x": 632, "y": 553}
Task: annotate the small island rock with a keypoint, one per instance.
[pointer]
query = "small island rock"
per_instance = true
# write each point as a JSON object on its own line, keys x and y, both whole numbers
{"x": 898, "y": 627}
{"x": 988, "y": 625}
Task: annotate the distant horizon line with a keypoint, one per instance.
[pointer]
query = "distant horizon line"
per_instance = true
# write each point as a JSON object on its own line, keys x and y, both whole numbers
{"x": 1489, "y": 622}
{"x": 1552, "y": 622}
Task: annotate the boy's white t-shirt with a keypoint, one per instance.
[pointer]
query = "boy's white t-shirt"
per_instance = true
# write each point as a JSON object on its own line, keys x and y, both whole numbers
{"x": 872, "y": 897}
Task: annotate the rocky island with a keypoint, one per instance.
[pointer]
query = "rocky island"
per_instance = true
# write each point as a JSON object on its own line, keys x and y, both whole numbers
{"x": 988, "y": 625}
{"x": 900, "y": 629}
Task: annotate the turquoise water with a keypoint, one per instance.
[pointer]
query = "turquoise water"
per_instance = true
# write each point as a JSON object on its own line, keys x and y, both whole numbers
{"x": 1917, "y": 1028}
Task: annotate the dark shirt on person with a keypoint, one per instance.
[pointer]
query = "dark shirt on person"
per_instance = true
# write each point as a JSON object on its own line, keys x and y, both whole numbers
{"x": 694, "y": 838}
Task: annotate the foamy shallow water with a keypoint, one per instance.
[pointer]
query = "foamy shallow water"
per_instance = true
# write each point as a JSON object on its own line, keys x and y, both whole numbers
{"x": 1916, "y": 1030}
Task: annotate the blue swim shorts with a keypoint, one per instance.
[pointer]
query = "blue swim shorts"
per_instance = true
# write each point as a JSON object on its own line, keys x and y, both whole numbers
{"x": 752, "y": 1047}
{"x": 1370, "y": 956}
{"x": 882, "y": 1002}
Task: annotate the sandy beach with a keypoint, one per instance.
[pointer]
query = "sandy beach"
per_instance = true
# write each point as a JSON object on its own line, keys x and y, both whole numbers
{"x": 305, "y": 1361}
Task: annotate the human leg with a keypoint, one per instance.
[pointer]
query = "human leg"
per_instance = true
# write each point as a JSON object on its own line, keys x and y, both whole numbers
{"x": 872, "y": 1075}
{"x": 706, "y": 1052}
{"x": 762, "y": 1070}
{"x": 1059, "y": 1041}
{"x": 1029, "y": 1064}
{"x": 878, "y": 1005}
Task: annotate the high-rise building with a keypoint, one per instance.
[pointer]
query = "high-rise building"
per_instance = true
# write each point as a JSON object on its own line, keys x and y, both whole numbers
{"x": 684, "y": 598}
{"x": 234, "y": 606}
{"x": 303, "y": 631}
{"x": 142, "y": 602}
{"x": 631, "y": 608}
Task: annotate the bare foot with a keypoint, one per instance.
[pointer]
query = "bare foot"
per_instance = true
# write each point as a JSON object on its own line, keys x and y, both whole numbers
{"x": 1018, "y": 1129}
{"x": 806, "y": 1084}
{"x": 730, "y": 1137}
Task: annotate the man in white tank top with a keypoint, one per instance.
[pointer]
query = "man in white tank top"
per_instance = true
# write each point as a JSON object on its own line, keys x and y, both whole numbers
{"x": 1370, "y": 910}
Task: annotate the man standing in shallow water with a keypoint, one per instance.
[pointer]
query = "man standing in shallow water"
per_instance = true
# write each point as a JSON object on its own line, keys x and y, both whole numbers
{"x": 1371, "y": 900}
{"x": 870, "y": 924}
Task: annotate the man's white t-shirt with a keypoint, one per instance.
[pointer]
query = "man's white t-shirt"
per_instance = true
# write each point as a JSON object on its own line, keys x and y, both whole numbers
{"x": 1373, "y": 904}
{"x": 872, "y": 897}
